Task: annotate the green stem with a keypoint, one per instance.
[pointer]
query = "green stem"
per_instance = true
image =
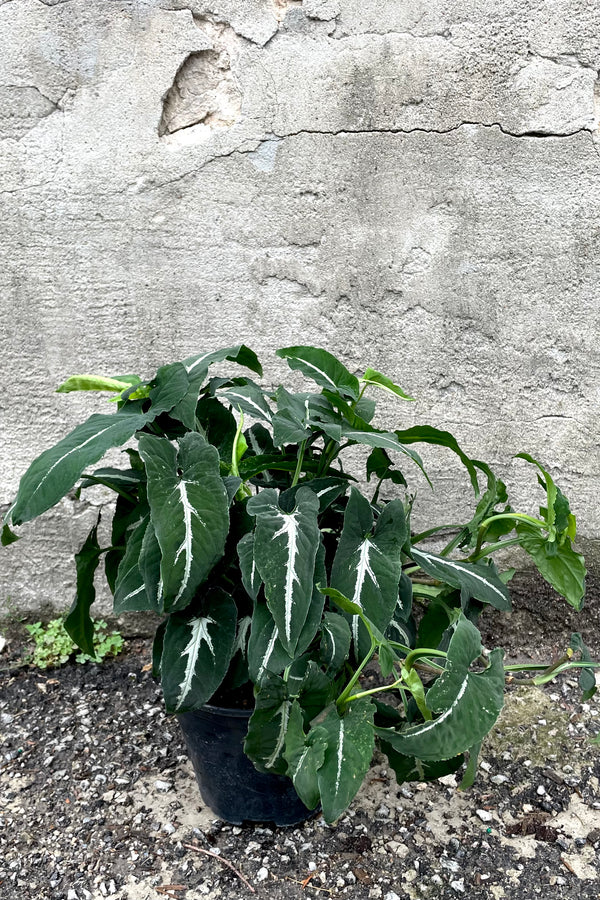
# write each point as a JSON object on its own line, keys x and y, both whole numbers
{"x": 415, "y": 539}
{"x": 299, "y": 464}
{"x": 453, "y": 543}
{"x": 377, "y": 690}
{"x": 342, "y": 700}
{"x": 519, "y": 517}
{"x": 234, "y": 450}
{"x": 421, "y": 651}
{"x": 491, "y": 548}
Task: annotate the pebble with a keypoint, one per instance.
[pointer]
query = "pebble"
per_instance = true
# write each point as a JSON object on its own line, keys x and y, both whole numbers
{"x": 484, "y": 815}
{"x": 541, "y": 790}
{"x": 458, "y": 885}
{"x": 498, "y": 779}
{"x": 162, "y": 785}
{"x": 262, "y": 874}
{"x": 391, "y": 895}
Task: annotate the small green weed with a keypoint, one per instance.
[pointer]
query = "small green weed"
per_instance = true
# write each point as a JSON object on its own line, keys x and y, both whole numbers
{"x": 54, "y": 646}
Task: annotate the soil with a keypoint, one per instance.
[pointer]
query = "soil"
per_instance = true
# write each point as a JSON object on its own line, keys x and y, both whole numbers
{"x": 98, "y": 799}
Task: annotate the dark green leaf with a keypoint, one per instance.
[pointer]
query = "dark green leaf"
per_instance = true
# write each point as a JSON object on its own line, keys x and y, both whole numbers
{"x": 78, "y": 623}
{"x": 130, "y": 591}
{"x": 265, "y": 653}
{"x": 428, "y": 435}
{"x": 335, "y": 641}
{"x": 219, "y": 426}
{"x": 303, "y": 757}
{"x": 55, "y": 471}
{"x": 197, "y": 651}
{"x": 267, "y": 729}
{"x": 587, "y": 677}
{"x": 468, "y": 778}
{"x": 368, "y": 564}
{"x": 250, "y": 398}
{"x": 240, "y": 354}
{"x": 322, "y": 367}
{"x": 157, "y": 648}
{"x": 285, "y": 549}
{"x": 122, "y": 481}
{"x": 189, "y": 510}
{"x": 468, "y": 702}
{"x": 410, "y": 768}
{"x": 8, "y": 536}
{"x": 250, "y": 576}
{"x": 326, "y": 489}
{"x": 349, "y": 741}
{"x": 558, "y": 563}
{"x": 473, "y": 579}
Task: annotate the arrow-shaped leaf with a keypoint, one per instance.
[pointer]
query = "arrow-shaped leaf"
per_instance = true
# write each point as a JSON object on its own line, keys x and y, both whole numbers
{"x": 285, "y": 549}
{"x": 349, "y": 742}
{"x": 196, "y": 653}
{"x": 368, "y": 563}
{"x": 371, "y": 376}
{"x": 267, "y": 729}
{"x": 189, "y": 511}
{"x": 468, "y": 702}
{"x": 55, "y": 471}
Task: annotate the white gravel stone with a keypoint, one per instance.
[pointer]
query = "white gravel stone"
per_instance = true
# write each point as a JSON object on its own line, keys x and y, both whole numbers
{"x": 485, "y": 815}
{"x": 163, "y": 785}
{"x": 262, "y": 874}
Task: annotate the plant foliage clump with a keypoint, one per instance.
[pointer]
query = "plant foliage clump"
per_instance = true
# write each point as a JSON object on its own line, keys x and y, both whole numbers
{"x": 54, "y": 646}
{"x": 272, "y": 568}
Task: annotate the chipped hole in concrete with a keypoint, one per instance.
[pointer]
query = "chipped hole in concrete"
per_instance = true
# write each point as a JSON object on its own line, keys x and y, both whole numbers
{"x": 281, "y": 7}
{"x": 204, "y": 92}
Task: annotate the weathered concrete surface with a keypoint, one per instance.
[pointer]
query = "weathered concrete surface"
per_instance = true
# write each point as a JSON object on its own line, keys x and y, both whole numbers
{"x": 414, "y": 186}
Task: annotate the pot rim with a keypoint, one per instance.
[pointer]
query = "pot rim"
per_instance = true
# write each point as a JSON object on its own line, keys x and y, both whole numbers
{"x": 230, "y": 712}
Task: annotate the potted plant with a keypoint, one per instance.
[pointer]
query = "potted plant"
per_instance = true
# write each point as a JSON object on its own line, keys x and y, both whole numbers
{"x": 281, "y": 578}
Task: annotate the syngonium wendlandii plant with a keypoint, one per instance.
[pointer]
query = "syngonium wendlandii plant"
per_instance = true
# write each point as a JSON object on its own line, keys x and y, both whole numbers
{"x": 273, "y": 567}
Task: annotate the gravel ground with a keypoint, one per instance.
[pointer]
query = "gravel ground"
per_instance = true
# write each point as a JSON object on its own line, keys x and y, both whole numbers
{"x": 97, "y": 799}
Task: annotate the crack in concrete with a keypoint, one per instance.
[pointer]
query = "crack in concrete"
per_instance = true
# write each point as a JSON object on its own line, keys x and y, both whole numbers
{"x": 449, "y": 130}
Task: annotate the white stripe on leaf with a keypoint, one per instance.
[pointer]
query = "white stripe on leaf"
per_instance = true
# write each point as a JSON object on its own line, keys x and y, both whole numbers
{"x": 290, "y": 530}
{"x": 199, "y": 634}
{"x": 423, "y": 729}
{"x": 340, "y": 758}
{"x": 363, "y": 568}
{"x": 284, "y": 711}
{"x": 268, "y": 654}
{"x": 186, "y": 544}
{"x": 262, "y": 412}
{"x": 453, "y": 565}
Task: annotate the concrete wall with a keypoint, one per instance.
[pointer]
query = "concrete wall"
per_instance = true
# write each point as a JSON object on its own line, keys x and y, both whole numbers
{"x": 413, "y": 185}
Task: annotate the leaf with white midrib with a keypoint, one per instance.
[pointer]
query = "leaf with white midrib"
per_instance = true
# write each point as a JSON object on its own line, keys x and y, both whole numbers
{"x": 197, "y": 651}
{"x": 285, "y": 549}
{"x": 368, "y": 563}
{"x": 189, "y": 511}
{"x": 56, "y": 470}
{"x": 478, "y": 581}
{"x": 349, "y": 743}
{"x": 467, "y": 703}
